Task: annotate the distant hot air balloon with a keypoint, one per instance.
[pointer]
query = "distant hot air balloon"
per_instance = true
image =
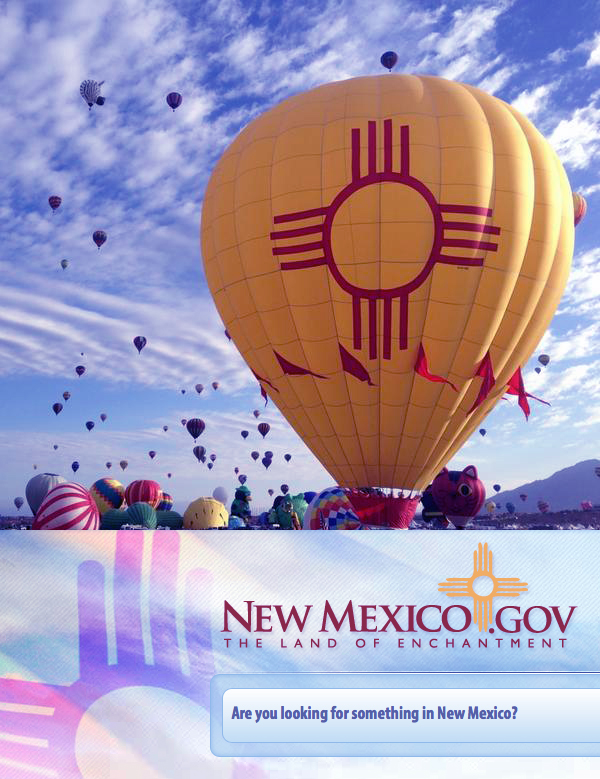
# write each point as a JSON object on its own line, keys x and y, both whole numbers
{"x": 244, "y": 434}
{"x": 142, "y": 513}
{"x": 285, "y": 489}
{"x": 199, "y": 452}
{"x": 597, "y": 471}
{"x": 269, "y": 455}
{"x": 236, "y": 470}
{"x": 215, "y": 385}
{"x": 80, "y": 370}
{"x": 544, "y": 359}
{"x": 263, "y": 428}
{"x": 99, "y": 237}
{"x": 537, "y": 369}
{"x": 490, "y": 507}
{"x": 395, "y": 318}
{"x": 497, "y": 488}
{"x": 523, "y": 497}
{"x": 254, "y": 455}
{"x": 152, "y": 454}
{"x": 90, "y": 91}
{"x": 287, "y": 457}
{"x": 166, "y": 502}
{"x": 100, "y": 100}
{"x": 184, "y": 422}
{"x": 18, "y": 503}
{"x": 89, "y": 425}
{"x": 389, "y": 60}
{"x": 270, "y": 492}
{"x": 213, "y": 457}
{"x": 66, "y": 395}
{"x": 174, "y": 100}
{"x": 55, "y": 446}
{"x": 169, "y": 475}
{"x": 510, "y": 507}
{"x": 103, "y": 417}
{"x": 199, "y": 388}
{"x": 165, "y": 428}
{"x": 182, "y": 392}
{"x": 195, "y": 427}
{"x": 123, "y": 464}
{"x": 579, "y": 207}
{"x": 139, "y": 342}
{"x": 543, "y": 506}
{"x": 57, "y": 408}
{"x": 108, "y": 465}
{"x": 266, "y": 462}
{"x": 242, "y": 478}
{"x": 210, "y": 466}
{"x": 220, "y": 494}
{"x": 256, "y": 413}
{"x": 75, "y": 466}
{"x": 34, "y": 467}
{"x": 54, "y": 201}
{"x": 64, "y": 264}
{"x": 482, "y": 432}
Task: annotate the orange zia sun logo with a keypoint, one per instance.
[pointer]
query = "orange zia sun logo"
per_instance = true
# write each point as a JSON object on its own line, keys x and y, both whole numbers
{"x": 483, "y": 604}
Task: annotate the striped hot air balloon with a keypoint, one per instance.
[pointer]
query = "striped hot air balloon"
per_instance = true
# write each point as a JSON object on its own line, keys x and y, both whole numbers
{"x": 67, "y": 506}
{"x": 166, "y": 502}
{"x": 143, "y": 491}
{"x": 142, "y": 514}
{"x": 107, "y": 494}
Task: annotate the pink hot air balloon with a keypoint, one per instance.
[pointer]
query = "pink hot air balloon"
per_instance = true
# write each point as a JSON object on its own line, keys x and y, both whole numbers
{"x": 67, "y": 506}
{"x": 143, "y": 491}
{"x": 579, "y": 207}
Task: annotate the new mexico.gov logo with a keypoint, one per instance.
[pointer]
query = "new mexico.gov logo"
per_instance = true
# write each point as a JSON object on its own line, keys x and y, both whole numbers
{"x": 484, "y": 577}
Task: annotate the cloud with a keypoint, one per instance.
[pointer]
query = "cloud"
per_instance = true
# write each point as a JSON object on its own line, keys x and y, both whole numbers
{"x": 531, "y": 102}
{"x": 577, "y": 139}
{"x": 594, "y": 57}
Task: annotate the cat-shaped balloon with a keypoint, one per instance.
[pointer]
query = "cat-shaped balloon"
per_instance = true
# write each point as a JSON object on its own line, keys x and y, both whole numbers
{"x": 458, "y": 494}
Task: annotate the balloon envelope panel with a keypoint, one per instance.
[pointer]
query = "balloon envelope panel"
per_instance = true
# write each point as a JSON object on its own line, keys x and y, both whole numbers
{"x": 353, "y": 223}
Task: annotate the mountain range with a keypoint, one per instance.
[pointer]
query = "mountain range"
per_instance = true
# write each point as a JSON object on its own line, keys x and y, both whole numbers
{"x": 565, "y": 489}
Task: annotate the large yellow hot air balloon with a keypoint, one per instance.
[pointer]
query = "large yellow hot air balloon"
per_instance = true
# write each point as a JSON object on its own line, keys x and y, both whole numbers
{"x": 386, "y": 252}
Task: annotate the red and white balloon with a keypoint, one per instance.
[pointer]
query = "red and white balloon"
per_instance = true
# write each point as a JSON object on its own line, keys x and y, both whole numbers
{"x": 67, "y": 506}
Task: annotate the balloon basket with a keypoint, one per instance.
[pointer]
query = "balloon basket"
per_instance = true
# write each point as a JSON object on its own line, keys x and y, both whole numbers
{"x": 383, "y": 510}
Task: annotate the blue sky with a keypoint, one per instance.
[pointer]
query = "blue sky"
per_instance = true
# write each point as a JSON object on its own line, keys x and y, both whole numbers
{"x": 137, "y": 170}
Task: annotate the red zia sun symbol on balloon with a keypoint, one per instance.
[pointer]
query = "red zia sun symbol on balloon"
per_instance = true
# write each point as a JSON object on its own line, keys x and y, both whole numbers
{"x": 41, "y": 723}
{"x": 366, "y": 237}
